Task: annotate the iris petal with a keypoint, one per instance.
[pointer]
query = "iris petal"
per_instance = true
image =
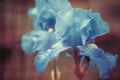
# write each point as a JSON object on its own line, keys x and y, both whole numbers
{"x": 33, "y": 12}
{"x": 41, "y": 60}
{"x": 27, "y": 43}
{"x": 40, "y": 4}
{"x": 104, "y": 61}
{"x": 46, "y": 19}
{"x": 99, "y": 26}
{"x": 42, "y": 15}
{"x": 37, "y": 41}
{"x": 72, "y": 28}
{"x": 79, "y": 27}
{"x": 59, "y": 5}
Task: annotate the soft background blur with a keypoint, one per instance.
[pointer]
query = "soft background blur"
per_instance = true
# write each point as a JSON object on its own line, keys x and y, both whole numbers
{"x": 14, "y": 22}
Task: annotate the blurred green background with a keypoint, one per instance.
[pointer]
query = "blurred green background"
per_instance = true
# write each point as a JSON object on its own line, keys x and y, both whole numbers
{"x": 14, "y": 22}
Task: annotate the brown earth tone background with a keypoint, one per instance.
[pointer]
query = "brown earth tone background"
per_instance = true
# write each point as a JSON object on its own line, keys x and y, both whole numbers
{"x": 14, "y": 22}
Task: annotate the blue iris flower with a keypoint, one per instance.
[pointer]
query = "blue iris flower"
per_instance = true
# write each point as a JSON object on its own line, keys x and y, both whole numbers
{"x": 73, "y": 28}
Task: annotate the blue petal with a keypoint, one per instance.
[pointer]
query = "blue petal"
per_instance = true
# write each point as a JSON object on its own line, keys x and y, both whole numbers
{"x": 59, "y": 5}
{"x": 37, "y": 41}
{"x": 40, "y": 4}
{"x": 71, "y": 27}
{"x": 104, "y": 61}
{"x": 46, "y": 19}
{"x": 33, "y": 12}
{"x": 99, "y": 26}
{"x": 27, "y": 43}
{"x": 92, "y": 65}
{"x": 44, "y": 13}
{"x": 79, "y": 27}
{"x": 44, "y": 41}
{"x": 41, "y": 60}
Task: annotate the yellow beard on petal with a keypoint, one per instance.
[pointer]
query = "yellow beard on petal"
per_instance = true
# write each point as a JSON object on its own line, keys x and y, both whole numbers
{"x": 50, "y": 30}
{"x": 92, "y": 46}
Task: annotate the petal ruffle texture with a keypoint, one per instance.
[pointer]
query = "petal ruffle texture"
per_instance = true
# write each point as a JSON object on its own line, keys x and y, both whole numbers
{"x": 46, "y": 19}
{"x": 33, "y": 12}
{"x": 59, "y": 5}
{"x": 37, "y": 41}
{"x": 76, "y": 27}
{"x": 44, "y": 15}
{"x": 99, "y": 26}
{"x": 41, "y": 60}
{"x": 104, "y": 61}
{"x": 27, "y": 43}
